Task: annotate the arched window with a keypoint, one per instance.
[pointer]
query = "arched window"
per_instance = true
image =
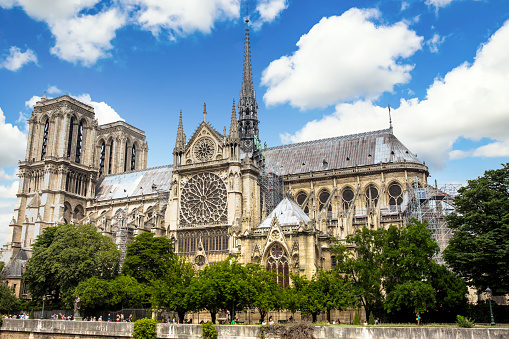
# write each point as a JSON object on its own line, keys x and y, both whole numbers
{"x": 277, "y": 261}
{"x": 79, "y": 142}
{"x": 347, "y": 196}
{"x": 322, "y": 200}
{"x": 69, "y": 138}
{"x": 125, "y": 158}
{"x": 371, "y": 196}
{"x": 301, "y": 197}
{"x": 110, "y": 161}
{"x": 395, "y": 197}
{"x": 45, "y": 139}
{"x": 101, "y": 159}
{"x": 133, "y": 158}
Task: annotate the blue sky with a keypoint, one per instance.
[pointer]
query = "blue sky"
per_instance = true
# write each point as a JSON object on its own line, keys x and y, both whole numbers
{"x": 321, "y": 68}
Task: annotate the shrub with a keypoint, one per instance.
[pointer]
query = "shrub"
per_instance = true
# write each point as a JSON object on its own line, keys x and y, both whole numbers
{"x": 145, "y": 329}
{"x": 209, "y": 331}
{"x": 371, "y": 320}
{"x": 464, "y": 321}
{"x": 356, "y": 320}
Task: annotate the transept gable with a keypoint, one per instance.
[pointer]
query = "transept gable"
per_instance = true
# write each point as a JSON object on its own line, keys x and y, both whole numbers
{"x": 275, "y": 235}
{"x": 206, "y": 144}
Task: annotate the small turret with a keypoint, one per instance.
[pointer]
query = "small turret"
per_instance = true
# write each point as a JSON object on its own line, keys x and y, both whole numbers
{"x": 179, "y": 143}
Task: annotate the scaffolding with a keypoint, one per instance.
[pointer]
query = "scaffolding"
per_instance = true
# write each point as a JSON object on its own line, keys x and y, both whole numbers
{"x": 271, "y": 189}
{"x": 122, "y": 234}
{"x": 431, "y": 204}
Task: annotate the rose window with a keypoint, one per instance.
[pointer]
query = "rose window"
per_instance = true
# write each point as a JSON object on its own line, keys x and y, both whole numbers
{"x": 204, "y": 149}
{"x": 203, "y": 201}
{"x": 199, "y": 260}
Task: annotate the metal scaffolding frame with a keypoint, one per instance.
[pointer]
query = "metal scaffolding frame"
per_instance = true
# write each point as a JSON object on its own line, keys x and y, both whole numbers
{"x": 271, "y": 189}
{"x": 432, "y": 204}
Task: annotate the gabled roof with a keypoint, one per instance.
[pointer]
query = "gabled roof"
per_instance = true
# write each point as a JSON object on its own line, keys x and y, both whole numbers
{"x": 204, "y": 124}
{"x": 136, "y": 183}
{"x": 17, "y": 265}
{"x": 288, "y": 213}
{"x": 339, "y": 152}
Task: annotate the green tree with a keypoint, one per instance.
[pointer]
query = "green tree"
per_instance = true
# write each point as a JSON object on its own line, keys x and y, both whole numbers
{"x": 145, "y": 329}
{"x": 362, "y": 261}
{"x": 148, "y": 257}
{"x": 325, "y": 291}
{"x": 479, "y": 248}
{"x": 267, "y": 294}
{"x": 65, "y": 255}
{"x": 173, "y": 291}
{"x": 8, "y": 301}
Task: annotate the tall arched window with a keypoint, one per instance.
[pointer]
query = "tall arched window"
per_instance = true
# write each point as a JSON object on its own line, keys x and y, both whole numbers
{"x": 395, "y": 197}
{"x": 322, "y": 200}
{"x": 371, "y": 196}
{"x": 110, "y": 161}
{"x": 277, "y": 261}
{"x": 79, "y": 142}
{"x": 101, "y": 159}
{"x": 125, "y": 158}
{"x": 45, "y": 139}
{"x": 133, "y": 158}
{"x": 301, "y": 197}
{"x": 69, "y": 138}
{"x": 347, "y": 196}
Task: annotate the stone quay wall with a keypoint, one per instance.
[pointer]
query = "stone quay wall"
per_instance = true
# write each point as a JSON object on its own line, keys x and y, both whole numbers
{"x": 46, "y": 329}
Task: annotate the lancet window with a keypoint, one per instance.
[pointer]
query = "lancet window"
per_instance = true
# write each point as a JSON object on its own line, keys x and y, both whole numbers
{"x": 371, "y": 196}
{"x": 125, "y": 158}
{"x": 277, "y": 261}
{"x": 45, "y": 139}
{"x": 79, "y": 142}
{"x": 395, "y": 197}
{"x": 212, "y": 240}
{"x": 322, "y": 200}
{"x": 110, "y": 161}
{"x": 133, "y": 158}
{"x": 101, "y": 159}
{"x": 69, "y": 137}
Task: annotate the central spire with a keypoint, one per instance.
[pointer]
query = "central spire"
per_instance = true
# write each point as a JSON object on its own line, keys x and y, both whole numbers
{"x": 248, "y": 108}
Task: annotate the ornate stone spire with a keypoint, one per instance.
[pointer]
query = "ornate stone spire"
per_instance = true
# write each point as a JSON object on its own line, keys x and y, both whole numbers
{"x": 181, "y": 139}
{"x": 248, "y": 108}
{"x": 204, "y": 112}
{"x": 234, "y": 132}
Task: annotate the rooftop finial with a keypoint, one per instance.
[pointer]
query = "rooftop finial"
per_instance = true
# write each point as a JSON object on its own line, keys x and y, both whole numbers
{"x": 44, "y": 96}
{"x": 390, "y": 118}
{"x": 204, "y": 112}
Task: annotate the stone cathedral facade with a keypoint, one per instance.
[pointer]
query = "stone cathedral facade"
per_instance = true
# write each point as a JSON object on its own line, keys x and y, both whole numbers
{"x": 224, "y": 195}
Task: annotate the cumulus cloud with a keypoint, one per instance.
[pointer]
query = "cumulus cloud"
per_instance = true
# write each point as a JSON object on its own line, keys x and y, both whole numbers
{"x": 53, "y": 90}
{"x": 9, "y": 191}
{"x": 8, "y": 177}
{"x": 471, "y": 102}
{"x": 180, "y": 18}
{"x": 435, "y": 42}
{"x": 6, "y": 213}
{"x": 50, "y": 10}
{"x": 103, "y": 112}
{"x": 269, "y": 10}
{"x": 342, "y": 58}
{"x": 13, "y": 145}
{"x": 404, "y": 5}
{"x": 86, "y": 38}
{"x": 30, "y": 103}
{"x": 17, "y": 59}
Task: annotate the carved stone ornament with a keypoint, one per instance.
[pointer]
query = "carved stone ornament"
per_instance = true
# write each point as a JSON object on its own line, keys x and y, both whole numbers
{"x": 203, "y": 200}
{"x": 199, "y": 260}
{"x": 204, "y": 149}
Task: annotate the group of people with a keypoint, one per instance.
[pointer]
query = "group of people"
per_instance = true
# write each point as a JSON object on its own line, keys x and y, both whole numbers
{"x": 16, "y": 316}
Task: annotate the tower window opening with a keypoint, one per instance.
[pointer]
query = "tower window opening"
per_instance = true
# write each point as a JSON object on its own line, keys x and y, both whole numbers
{"x": 110, "y": 161}
{"x": 133, "y": 158}
{"x": 69, "y": 138}
{"x": 79, "y": 142}
{"x": 125, "y": 158}
{"x": 45, "y": 139}
{"x": 101, "y": 160}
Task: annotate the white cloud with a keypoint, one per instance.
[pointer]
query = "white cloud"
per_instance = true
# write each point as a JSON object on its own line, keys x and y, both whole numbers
{"x": 180, "y": 18}
{"x": 50, "y": 10}
{"x": 404, "y": 5}
{"x": 269, "y": 10}
{"x": 342, "y": 58}
{"x": 438, "y": 3}
{"x": 471, "y": 102}
{"x": 30, "y": 103}
{"x": 13, "y": 145}
{"x": 103, "y": 112}
{"x": 435, "y": 42}
{"x": 9, "y": 191}
{"x": 6, "y": 213}
{"x": 53, "y": 90}
{"x": 86, "y": 38}
{"x": 17, "y": 59}
{"x": 8, "y": 177}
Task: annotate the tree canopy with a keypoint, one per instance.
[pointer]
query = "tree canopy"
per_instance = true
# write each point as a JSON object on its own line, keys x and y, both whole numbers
{"x": 398, "y": 261}
{"x": 148, "y": 257}
{"x": 65, "y": 255}
{"x": 479, "y": 248}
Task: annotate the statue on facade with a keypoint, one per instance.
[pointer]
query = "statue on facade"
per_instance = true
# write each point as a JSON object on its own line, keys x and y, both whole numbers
{"x": 77, "y": 307}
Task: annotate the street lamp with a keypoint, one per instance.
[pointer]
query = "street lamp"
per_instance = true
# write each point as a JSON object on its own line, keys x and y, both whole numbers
{"x": 488, "y": 291}
{"x": 43, "y": 300}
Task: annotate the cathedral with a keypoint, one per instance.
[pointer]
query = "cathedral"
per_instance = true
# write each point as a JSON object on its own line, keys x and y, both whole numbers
{"x": 225, "y": 194}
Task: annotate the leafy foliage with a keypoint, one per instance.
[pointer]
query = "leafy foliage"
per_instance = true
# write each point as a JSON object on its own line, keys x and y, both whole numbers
{"x": 209, "y": 331}
{"x": 65, "y": 255}
{"x": 371, "y": 320}
{"x": 268, "y": 294}
{"x": 8, "y": 301}
{"x": 399, "y": 262}
{"x": 464, "y": 321}
{"x": 148, "y": 257}
{"x": 479, "y": 248}
{"x": 145, "y": 329}
{"x": 356, "y": 320}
